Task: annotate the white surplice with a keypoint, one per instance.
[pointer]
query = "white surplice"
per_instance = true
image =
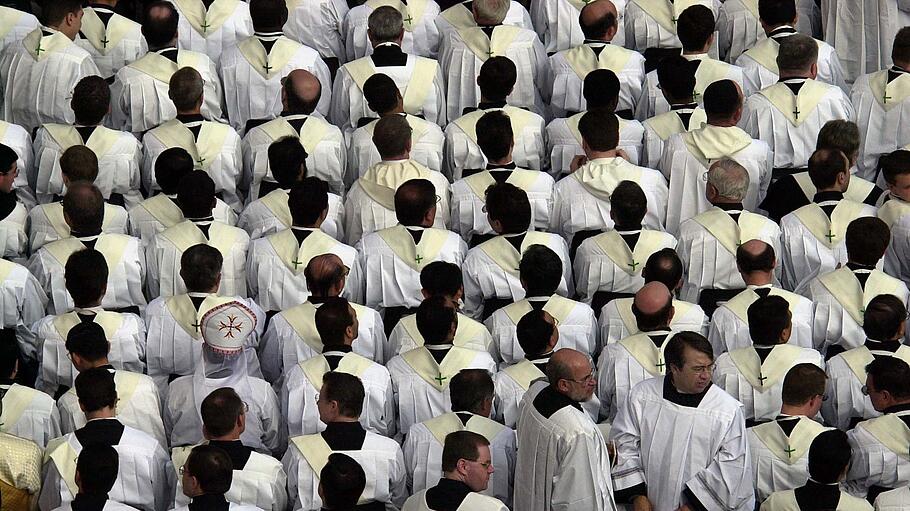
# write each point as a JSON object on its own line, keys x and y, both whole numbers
{"x": 846, "y": 401}
{"x": 421, "y": 35}
{"x": 624, "y": 364}
{"x": 730, "y": 322}
{"x": 29, "y": 413}
{"x": 780, "y": 461}
{"x": 472, "y": 502}
{"x": 862, "y": 33}
{"x": 16, "y": 138}
{"x": 427, "y": 142}
{"x": 13, "y": 238}
{"x": 652, "y": 23}
{"x": 879, "y": 454}
{"x": 617, "y": 321}
{"x": 270, "y": 214}
{"x": 680, "y": 119}
{"x": 23, "y": 301}
{"x": 703, "y": 449}
{"x": 39, "y": 74}
{"x": 709, "y": 71}
{"x": 738, "y": 28}
{"x": 113, "y": 43}
{"x": 556, "y": 22}
{"x": 469, "y": 334}
{"x": 46, "y": 223}
{"x": 569, "y": 67}
{"x": 212, "y": 27}
{"x": 882, "y": 104}
{"x": 607, "y": 263}
{"x": 564, "y": 142}
{"x": 461, "y": 15}
{"x": 157, "y": 213}
{"x": 893, "y": 500}
{"x": 15, "y": 25}
{"x": 317, "y": 24}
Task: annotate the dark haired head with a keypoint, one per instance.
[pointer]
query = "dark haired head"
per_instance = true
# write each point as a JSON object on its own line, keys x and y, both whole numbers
{"x": 540, "y": 270}
{"x": 497, "y": 78}
{"x": 867, "y": 239}
{"x": 287, "y": 161}
{"x": 829, "y": 456}
{"x": 91, "y": 100}
{"x": 308, "y": 200}
{"x": 96, "y": 390}
{"x": 436, "y": 318}
{"x": 508, "y": 206}
{"x": 884, "y": 318}
{"x": 769, "y": 319}
{"x": 86, "y": 276}
{"x": 601, "y": 90}
{"x": 159, "y": 26}
{"x": 695, "y": 27}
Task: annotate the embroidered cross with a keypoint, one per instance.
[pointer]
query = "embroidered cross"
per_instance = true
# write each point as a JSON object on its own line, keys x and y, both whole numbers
{"x": 296, "y": 263}
{"x": 673, "y": 19}
{"x": 490, "y": 53}
{"x": 761, "y": 379}
{"x": 660, "y": 365}
{"x": 230, "y": 326}
{"x": 885, "y": 98}
{"x": 862, "y": 311}
{"x": 796, "y": 112}
{"x": 418, "y": 259}
{"x": 830, "y": 236}
{"x": 104, "y": 41}
{"x": 409, "y": 19}
{"x": 205, "y": 26}
{"x": 267, "y": 67}
{"x": 789, "y": 450}
{"x": 39, "y": 49}
{"x": 200, "y": 161}
{"x": 440, "y": 379}
{"x": 196, "y": 325}
{"x": 633, "y": 264}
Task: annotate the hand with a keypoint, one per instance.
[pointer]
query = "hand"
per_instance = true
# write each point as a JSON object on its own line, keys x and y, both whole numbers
{"x": 577, "y": 161}
{"x": 641, "y": 503}
{"x": 611, "y": 452}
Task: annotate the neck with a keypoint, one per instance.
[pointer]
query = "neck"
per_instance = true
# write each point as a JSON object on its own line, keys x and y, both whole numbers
{"x": 88, "y": 305}
{"x": 210, "y": 291}
{"x": 92, "y": 364}
{"x": 696, "y": 51}
{"x": 539, "y": 292}
{"x": 660, "y": 328}
{"x": 453, "y": 476}
{"x": 343, "y": 419}
{"x": 834, "y": 188}
{"x": 399, "y": 109}
{"x": 170, "y": 44}
{"x": 904, "y": 66}
{"x": 792, "y": 75}
{"x": 308, "y": 226}
{"x": 758, "y": 278}
{"x": 722, "y": 123}
{"x": 502, "y": 161}
{"x": 107, "y": 412}
{"x": 681, "y": 101}
{"x": 804, "y": 410}
{"x": 593, "y": 155}
{"x": 725, "y": 200}
{"x": 397, "y": 157}
{"x": 267, "y": 30}
{"x": 230, "y": 437}
{"x": 80, "y": 123}
{"x": 485, "y": 99}
{"x": 192, "y": 111}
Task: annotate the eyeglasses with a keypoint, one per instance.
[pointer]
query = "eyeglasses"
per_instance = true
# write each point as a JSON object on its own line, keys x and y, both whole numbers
{"x": 182, "y": 470}
{"x": 587, "y": 379}
{"x": 485, "y": 464}
{"x": 246, "y": 407}
{"x": 868, "y": 392}
{"x": 703, "y": 369}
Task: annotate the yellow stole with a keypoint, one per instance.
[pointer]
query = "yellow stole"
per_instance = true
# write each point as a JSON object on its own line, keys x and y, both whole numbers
{"x": 411, "y": 13}
{"x": 268, "y": 63}
{"x": 583, "y": 60}
{"x": 438, "y": 375}
{"x": 630, "y": 261}
{"x": 185, "y": 314}
{"x": 524, "y": 373}
{"x": 109, "y": 321}
{"x": 206, "y": 22}
{"x": 164, "y": 210}
{"x": 739, "y": 304}
{"x": 648, "y": 356}
{"x": 729, "y": 233}
{"x": 302, "y": 318}
{"x": 764, "y": 375}
{"x": 479, "y": 182}
{"x": 104, "y": 38}
{"x": 601, "y": 175}
{"x": 162, "y": 68}
{"x": 467, "y": 330}
{"x": 711, "y": 143}
{"x": 9, "y": 17}
{"x": 111, "y": 247}
{"x": 418, "y": 88}
{"x": 417, "y": 256}
{"x": 857, "y": 189}
{"x": 64, "y": 456}
{"x": 40, "y": 46}
{"x": 789, "y": 449}
{"x": 185, "y": 234}
{"x": 16, "y": 400}
{"x": 709, "y": 71}
{"x": 504, "y": 254}
{"x": 845, "y": 288}
{"x": 889, "y": 95}
{"x": 858, "y": 358}
{"x": 796, "y": 108}
{"x": 666, "y": 13}
{"x": 891, "y": 431}
{"x": 519, "y": 118}
{"x": 382, "y": 180}
{"x": 459, "y": 16}
{"x": 204, "y": 149}
{"x": 483, "y": 47}
{"x": 100, "y": 141}
{"x": 296, "y": 256}
{"x": 892, "y": 210}
{"x": 447, "y": 423}
{"x": 277, "y": 202}
{"x": 829, "y": 231}
{"x": 311, "y": 132}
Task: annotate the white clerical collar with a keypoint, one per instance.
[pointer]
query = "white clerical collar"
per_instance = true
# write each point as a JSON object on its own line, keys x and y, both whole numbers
{"x": 628, "y": 233}
{"x": 335, "y": 353}
{"x": 101, "y": 8}
{"x": 543, "y": 358}
{"x": 824, "y": 484}
{"x": 102, "y": 419}
{"x": 415, "y": 228}
{"x": 438, "y": 347}
{"x": 696, "y": 56}
{"x": 268, "y": 36}
{"x": 763, "y": 286}
{"x": 88, "y": 310}
{"x": 514, "y": 234}
{"x": 782, "y": 31}
{"x": 393, "y": 162}
{"x": 51, "y": 30}
{"x": 388, "y": 43}
{"x": 166, "y": 48}
{"x": 208, "y": 220}
{"x": 794, "y": 80}
{"x": 537, "y": 298}
{"x": 196, "y": 294}
{"x": 298, "y": 228}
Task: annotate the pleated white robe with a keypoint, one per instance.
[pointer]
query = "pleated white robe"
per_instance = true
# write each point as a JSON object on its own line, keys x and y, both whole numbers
{"x": 20, "y": 141}
{"x": 569, "y": 67}
{"x": 564, "y": 143}
{"x": 427, "y": 144}
{"x": 421, "y": 35}
{"x": 846, "y": 378}
{"x": 29, "y": 414}
{"x": 113, "y": 44}
{"x": 759, "y": 62}
{"x": 46, "y": 223}
{"x": 270, "y": 214}
{"x": 730, "y": 322}
{"x": 738, "y": 28}
{"x": 606, "y": 263}
{"x": 157, "y": 213}
{"x": 709, "y": 71}
{"x": 469, "y": 334}
{"x": 15, "y": 25}
{"x": 660, "y": 128}
{"x": 862, "y": 32}
{"x": 878, "y": 459}
{"x": 624, "y": 364}
{"x": 317, "y": 24}
{"x": 23, "y": 302}
{"x": 645, "y": 30}
{"x": 556, "y": 22}
{"x": 880, "y": 106}
{"x": 617, "y": 322}
{"x": 212, "y": 29}
{"x": 779, "y": 461}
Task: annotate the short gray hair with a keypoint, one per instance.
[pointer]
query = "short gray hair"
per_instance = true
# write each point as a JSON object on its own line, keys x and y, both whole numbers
{"x": 730, "y": 178}
{"x": 797, "y": 53}
{"x": 491, "y": 11}
{"x": 385, "y": 24}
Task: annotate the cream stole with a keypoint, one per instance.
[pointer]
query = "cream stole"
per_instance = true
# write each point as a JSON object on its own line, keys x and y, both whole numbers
{"x": 583, "y": 60}
{"x": 276, "y": 201}
{"x": 557, "y": 306}
{"x": 484, "y": 47}
{"x": 411, "y": 13}
{"x": 163, "y": 209}
{"x": 789, "y": 449}
{"x": 891, "y": 431}
{"x": 436, "y": 375}
{"x": 100, "y": 141}
{"x": 504, "y": 254}
{"x": 111, "y": 246}
{"x": 103, "y": 37}
{"x": 666, "y": 13}
{"x": 630, "y": 261}
{"x": 858, "y": 358}
{"x": 739, "y": 304}
{"x": 892, "y": 210}
{"x": 185, "y": 314}
{"x": 669, "y": 124}
{"x": 415, "y": 255}
{"x": 518, "y": 118}
{"x": 185, "y": 234}
{"x": 296, "y": 256}
{"x": 382, "y": 179}
{"x": 110, "y": 322}
{"x": 268, "y": 63}
{"x": 447, "y": 423}
{"x": 314, "y": 368}
{"x": 40, "y": 46}
{"x": 829, "y": 231}
{"x": 729, "y": 233}
{"x": 206, "y": 22}
{"x": 711, "y": 143}
{"x": 889, "y": 95}
{"x": 796, "y": 108}
{"x": 316, "y": 452}
{"x": 479, "y": 182}
{"x": 64, "y": 456}
{"x": 466, "y": 332}
{"x": 524, "y": 373}
{"x": 600, "y": 176}
{"x": 311, "y": 132}
{"x": 765, "y": 375}
{"x": 646, "y": 353}
{"x": 204, "y": 149}
{"x": 845, "y": 288}
{"x": 419, "y": 83}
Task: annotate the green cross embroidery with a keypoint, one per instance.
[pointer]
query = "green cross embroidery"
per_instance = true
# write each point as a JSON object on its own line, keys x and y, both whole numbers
{"x": 39, "y": 49}
{"x": 267, "y": 67}
{"x": 409, "y": 19}
{"x": 789, "y": 450}
{"x": 104, "y": 41}
{"x": 418, "y": 258}
{"x": 673, "y": 19}
{"x": 796, "y": 112}
{"x": 205, "y": 26}
{"x": 830, "y": 236}
{"x": 200, "y": 161}
{"x": 490, "y": 53}
{"x": 440, "y": 379}
{"x": 633, "y": 264}
{"x": 196, "y": 325}
{"x": 660, "y": 365}
{"x": 296, "y": 263}
{"x": 761, "y": 379}
{"x": 886, "y": 98}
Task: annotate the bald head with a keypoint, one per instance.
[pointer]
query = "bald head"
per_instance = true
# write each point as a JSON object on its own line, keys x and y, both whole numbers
{"x": 598, "y": 20}
{"x": 755, "y": 260}
{"x": 653, "y": 307}
{"x": 568, "y": 372}
{"x": 325, "y": 275}
{"x": 301, "y": 92}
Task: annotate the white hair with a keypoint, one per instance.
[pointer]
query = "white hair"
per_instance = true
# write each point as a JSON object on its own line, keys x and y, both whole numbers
{"x": 729, "y": 178}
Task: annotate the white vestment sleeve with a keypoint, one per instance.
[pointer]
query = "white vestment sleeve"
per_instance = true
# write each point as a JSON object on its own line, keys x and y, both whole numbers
{"x": 727, "y": 482}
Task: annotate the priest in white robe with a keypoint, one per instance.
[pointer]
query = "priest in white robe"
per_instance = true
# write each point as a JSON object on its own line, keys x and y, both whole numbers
{"x": 677, "y": 84}
{"x": 421, "y": 377}
{"x": 214, "y": 146}
{"x": 16, "y": 25}
{"x": 324, "y": 144}
{"x": 540, "y": 272}
{"x": 601, "y": 92}
{"x": 788, "y": 115}
{"x": 756, "y": 263}
{"x": 205, "y": 479}
{"x": 318, "y": 24}
{"x": 39, "y": 72}
{"x": 83, "y": 209}
{"x": 780, "y": 447}
{"x": 20, "y": 141}
{"x": 383, "y": 97}
{"x": 709, "y": 241}
{"x": 884, "y": 325}
{"x": 711, "y": 468}
{"x": 893, "y": 500}
{"x": 878, "y": 444}
{"x": 336, "y": 325}
{"x": 173, "y": 342}
{"x": 113, "y": 40}
{"x": 464, "y": 50}
{"x": 463, "y": 154}
{"x": 224, "y": 364}
{"x": 616, "y": 320}
{"x": 119, "y": 153}
{"x": 688, "y": 156}
{"x": 491, "y": 269}
{"x": 370, "y": 203}
{"x": 26, "y": 412}
{"x": 13, "y": 213}
{"x": 196, "y": 197}
{"x": 896, "y": 170}
{"x": 862, "y": 50}
{"x": 419, "y": 79}
{"x": 599, "y": 23}
{"x": 461, "y": 14}
{"x": 252, "y": 69}
{"x": 570, "y": 467}
{"x": 139, "y": 93}
{"x": 738, "y": 28}
{"x": 97, "y": 467}
{"x": 291, "y": 337}
{"x": 651, "y": 27}
{"x": 584, "y": 199}
{"x": 813, "y": 236}
{"x": 754, "y": 375}
{"x": 211, "y": 27}
{"x": 23, "y": 302}
{"x": 144, "y": 475}
{"x": 340, "y": 402}
{"x": 759, "y": 62}
{"x": 421, "y": 35}
{"x": 472, "y": 403}
{"x": 561, "y": 27}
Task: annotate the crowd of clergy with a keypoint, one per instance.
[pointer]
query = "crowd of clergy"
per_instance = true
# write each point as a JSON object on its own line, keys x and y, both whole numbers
{"x": 433, "y": 255}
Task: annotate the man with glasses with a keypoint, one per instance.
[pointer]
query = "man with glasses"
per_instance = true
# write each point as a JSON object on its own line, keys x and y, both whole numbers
{"x": 568, "y": 465}
{"x": 681, "y": 441}
{"x": 467, "y": 465}
{"x": 206, "y": 478}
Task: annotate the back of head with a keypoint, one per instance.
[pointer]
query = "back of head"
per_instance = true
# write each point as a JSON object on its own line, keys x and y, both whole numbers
{"x": 392, "y": 136}
{"x": 509, "y": 205}
{"x": 883, "y": 317}
{"x": 867, "y": 240}
{"x": 185, "y": 89}
{"x": 676, "y": 348}
{"x": 332, "y": 319}
{"x": 695, "y": 27}
{"x": 97, "y": 466}
{"x": 413, "y": 200}
{"x": 268, "y": 15}
{"x": 490, "y": 12}
{"x": 220, "y": 411}
{"x": 798, "y": 53}
{"x": 159, "y": 25}
{"x": 900, "y": 50}
{"x": 441, "y": 278}
{"x": 380, "y": 93}
{"x": 96, "y": 390}
{"x": 777, "y": 12}
{"x": 196, "y": 194}
{"x": 83, "y": 206}
{"x": 894, "y": 164}
{"x": 308, "y": 200}
{"x": 79, "y": 163}
{"x": 829, "y": 456}
{"x": 170, "y": 167}
{"x": 323, "y": 273}
{"x": 540, "y": 270}
{"x": 91, "y": 100}
{"x": 840, "y": 135}
{"x": 470, "y": 389}
{"x": 212, "y": 468}
{"x": 596, "y": 27}
{"x": 663, "y": 266}
{"x": 461, "y": 445}
{"x": 346, "y": 390}
{"x": 8, "y": 158}
{"x": 825, "y": 165}
{"x": 599, "y": 130}
{"x": 497, "y": 78}
{"x": 730, "y": 179}
{"x": 601, "y": 89}
{"x": 89, "y": 341}
{"x": 890, "y": 374}
{"x": 54, "y": 12}
{"x": 749, "y": 260}
{"x": 302, "y": 91}
{"x": 286, "y": 159}
{"x": 86, "y": 276}
{"x": 652, "y": 306}
{"x": 534, "y": 332}
{"x": 385, "y": 24}
{"x": 342, "y": 480}
{"x": 628, "y": 204}
{"x": 676, "y": 77}
{"x": 9, "y": 354}
{"x": 200, "y": 267}
{"x": 768, "y": 317}
{"x": 435, "y": 317}
{"x": 802, "y": 383}
{"x": 494, "y": 135}
{"x": 722, "y": 99}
